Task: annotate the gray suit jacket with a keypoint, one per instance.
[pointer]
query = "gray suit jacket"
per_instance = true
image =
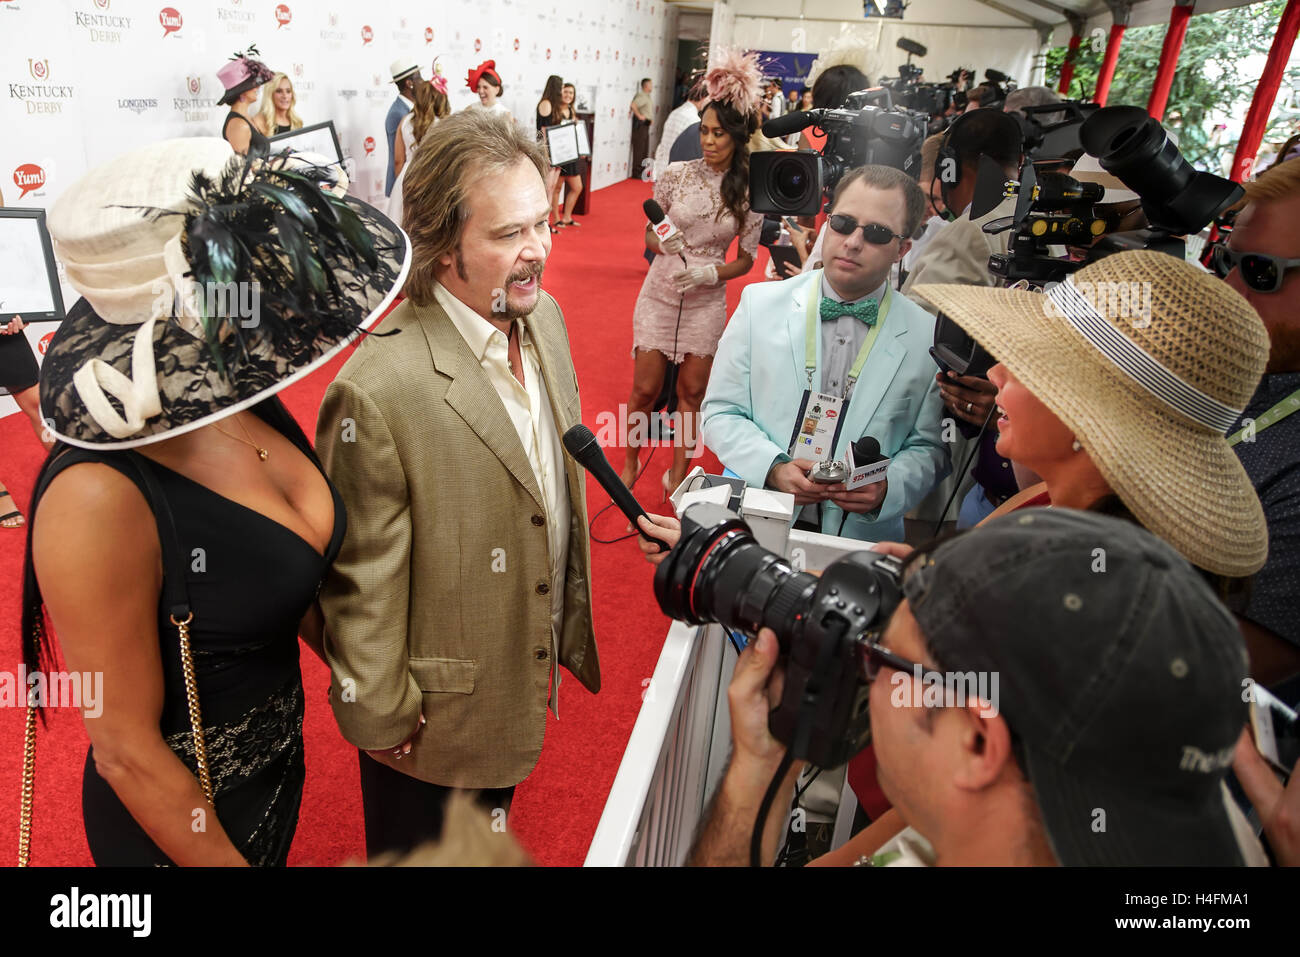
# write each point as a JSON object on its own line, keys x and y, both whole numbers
{"x": 439, "y": 600}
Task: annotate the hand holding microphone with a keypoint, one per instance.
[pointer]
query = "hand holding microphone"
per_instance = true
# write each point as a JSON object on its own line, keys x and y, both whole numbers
{"x": 671, "y": 240}
{"x": 580, "y": 443}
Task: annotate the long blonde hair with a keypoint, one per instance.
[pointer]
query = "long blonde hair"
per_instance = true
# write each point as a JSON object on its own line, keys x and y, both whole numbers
{"x": 266, "y": 112}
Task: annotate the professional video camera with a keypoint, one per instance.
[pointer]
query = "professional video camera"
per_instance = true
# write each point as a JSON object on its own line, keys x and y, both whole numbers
{"x": 933, "y": 99}
{"x": 1056, "y": 209}
{"x": 718, "y": 572}
{"x": 1058, "y": 138}
{"x": 796, "y": 183}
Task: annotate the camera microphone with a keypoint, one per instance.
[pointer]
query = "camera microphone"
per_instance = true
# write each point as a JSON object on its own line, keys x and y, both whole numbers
{"x": 788, "y": 123}
{"x": 663, "y": 226}
{"x": 996, "y": 76}
{"x": 580, "y": 443}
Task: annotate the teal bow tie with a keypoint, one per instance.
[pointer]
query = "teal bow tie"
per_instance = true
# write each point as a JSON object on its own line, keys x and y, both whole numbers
{"x": 865, "y": 311}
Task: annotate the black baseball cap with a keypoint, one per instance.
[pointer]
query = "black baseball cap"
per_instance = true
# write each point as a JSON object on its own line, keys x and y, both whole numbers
{"x": 1119, "y": 672}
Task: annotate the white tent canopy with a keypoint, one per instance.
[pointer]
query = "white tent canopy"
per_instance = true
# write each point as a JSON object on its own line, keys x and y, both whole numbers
{"x": 1008, "y": 35}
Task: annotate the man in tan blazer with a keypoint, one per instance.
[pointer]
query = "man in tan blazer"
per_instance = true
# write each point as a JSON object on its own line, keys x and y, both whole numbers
{"x": 464, "y": 579}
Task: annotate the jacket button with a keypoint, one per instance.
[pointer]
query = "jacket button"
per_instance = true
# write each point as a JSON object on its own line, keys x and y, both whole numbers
{"x": 541, "y": 654}
{"x": 543, "y": 588}
{"x": 539, "y": 520}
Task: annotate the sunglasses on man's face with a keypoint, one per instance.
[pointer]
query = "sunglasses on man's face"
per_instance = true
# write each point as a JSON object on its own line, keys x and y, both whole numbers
{"x": 1259, "y": 271}
{"x": 873, "y": 233}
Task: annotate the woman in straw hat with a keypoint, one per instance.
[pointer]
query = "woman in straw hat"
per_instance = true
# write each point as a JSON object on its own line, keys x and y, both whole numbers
{"x": 182, "y": 524}
{"x": 1118, "y": 387}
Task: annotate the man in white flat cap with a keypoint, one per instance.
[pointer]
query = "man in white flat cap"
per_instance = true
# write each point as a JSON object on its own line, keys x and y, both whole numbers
{"x": 406, "y": 74}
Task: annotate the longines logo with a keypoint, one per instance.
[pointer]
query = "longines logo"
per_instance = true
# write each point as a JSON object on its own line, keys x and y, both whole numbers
{"x": 101, "y": 27}
{"x": 137, "y": 106}
{"x": 346, "y": 94}
{"x": 42, "y": 96}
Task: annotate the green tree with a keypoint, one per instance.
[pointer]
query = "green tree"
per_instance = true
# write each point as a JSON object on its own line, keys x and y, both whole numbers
{"x": 1215, "y": 79}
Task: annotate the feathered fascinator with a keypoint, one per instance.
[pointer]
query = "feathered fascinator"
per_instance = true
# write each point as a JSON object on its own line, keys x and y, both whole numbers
{"x": 848, "y": 49}
{"x": 210, "y": 281}
{"x": 736, "y": 79}
{"x": 438, "y": 80}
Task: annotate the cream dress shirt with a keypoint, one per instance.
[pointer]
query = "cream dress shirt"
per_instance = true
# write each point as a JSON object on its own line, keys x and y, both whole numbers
{"x": 529, "y": 408}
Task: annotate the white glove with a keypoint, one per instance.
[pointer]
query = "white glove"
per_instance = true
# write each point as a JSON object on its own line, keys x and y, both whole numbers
{"x": 696, "y": 276}
{"x": 674, "y": 244}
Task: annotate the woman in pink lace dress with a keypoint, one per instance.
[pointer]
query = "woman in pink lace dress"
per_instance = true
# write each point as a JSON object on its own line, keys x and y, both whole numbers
{"x": 708, "y": 200}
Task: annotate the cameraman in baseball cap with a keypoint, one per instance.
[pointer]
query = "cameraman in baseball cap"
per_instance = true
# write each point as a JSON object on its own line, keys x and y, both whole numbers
{"x": 1116, "y": 678}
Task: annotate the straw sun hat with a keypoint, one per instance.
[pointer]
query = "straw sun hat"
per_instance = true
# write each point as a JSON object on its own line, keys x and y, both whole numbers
{"x": 1149, "y": 386}
{"x": 169, "y": 245}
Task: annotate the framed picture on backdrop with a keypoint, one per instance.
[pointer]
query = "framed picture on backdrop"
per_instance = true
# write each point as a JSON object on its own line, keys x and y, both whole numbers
{"x": 318, "y": 138}
{"x": 29, "y": 280}
{"x": 566, "y": 142}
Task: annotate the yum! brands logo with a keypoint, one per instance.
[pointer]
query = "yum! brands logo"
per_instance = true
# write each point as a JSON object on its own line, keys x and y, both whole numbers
{"x": 367, "y": 34}
{"x": 368, "y": 144}
{"x": 29, "y": 178}
{"x": 282, "y": 16}
{"x": 170, "y": 20}
{"x": 44, "y": 342}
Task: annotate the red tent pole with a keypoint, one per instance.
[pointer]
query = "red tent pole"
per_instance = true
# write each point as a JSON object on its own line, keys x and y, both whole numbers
{"x": 1243, "y": 161}
{"x": 1067, "y": 68}
{"x": 1107, "y": 71}
{"x": 1173, "y": 45}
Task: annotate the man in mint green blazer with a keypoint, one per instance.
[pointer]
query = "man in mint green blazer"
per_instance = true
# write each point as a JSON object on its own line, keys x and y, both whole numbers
{"x": 761, "y": 370}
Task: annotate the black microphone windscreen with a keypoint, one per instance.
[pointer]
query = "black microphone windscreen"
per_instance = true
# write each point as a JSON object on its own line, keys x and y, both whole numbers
{"x": 579, "y": 440}
{"x": 653, "y": 211}
{"x": 788, "y": 123}
{"x": 866, "y": 450}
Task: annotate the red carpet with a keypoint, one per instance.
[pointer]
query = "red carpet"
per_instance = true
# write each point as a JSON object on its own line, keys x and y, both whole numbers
{"x": 595, "y": 272}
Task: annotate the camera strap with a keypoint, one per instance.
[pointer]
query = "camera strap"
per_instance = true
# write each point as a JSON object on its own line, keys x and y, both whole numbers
{"x": 1274, "y": 415}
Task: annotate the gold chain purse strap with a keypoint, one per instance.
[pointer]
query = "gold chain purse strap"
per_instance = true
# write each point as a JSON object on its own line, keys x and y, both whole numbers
{"x": 175, "y": 596}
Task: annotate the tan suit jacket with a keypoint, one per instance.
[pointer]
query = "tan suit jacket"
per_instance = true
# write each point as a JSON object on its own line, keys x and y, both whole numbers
{"x": 439, "y": 600}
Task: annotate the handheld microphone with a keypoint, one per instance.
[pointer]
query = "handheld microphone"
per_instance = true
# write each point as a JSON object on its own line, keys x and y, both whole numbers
{"x": 580, "y": 443}
{"x": 788, "y": 123}
{"x": 663, "y": 226}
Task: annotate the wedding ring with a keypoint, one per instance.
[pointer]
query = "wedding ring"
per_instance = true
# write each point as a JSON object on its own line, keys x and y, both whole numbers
{"x": 969, "y": 407}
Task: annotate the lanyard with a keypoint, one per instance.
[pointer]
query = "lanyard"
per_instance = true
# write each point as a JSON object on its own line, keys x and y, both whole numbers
{"x": 1273, "y": 415}
{"x": 812, "y": 326}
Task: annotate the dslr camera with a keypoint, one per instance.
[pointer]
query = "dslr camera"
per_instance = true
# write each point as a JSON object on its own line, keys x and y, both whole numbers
{"x": 717, "y": 572}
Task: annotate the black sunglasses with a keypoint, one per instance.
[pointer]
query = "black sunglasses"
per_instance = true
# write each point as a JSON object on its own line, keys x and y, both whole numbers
{"x": 873, "y": 233}
{"x": 1259, "y": 271}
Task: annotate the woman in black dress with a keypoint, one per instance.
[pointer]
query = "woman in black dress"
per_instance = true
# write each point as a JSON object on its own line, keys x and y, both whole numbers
{"x": 569, "y": 172}
{"x": 548, "y": 114}
{"x": 242, "y": 77}
{"x": 200, "y": 503}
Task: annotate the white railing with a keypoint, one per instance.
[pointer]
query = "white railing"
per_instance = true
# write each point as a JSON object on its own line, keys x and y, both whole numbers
{"x": 680, "y": 743}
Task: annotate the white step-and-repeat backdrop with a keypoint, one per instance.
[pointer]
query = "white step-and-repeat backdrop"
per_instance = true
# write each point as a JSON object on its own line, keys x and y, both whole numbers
{"x": 85, "y": 80}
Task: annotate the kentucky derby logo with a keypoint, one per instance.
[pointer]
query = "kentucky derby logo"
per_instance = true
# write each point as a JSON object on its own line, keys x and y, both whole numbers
{"x": 367, "y": 34}
{"x": 334, "y": 19}
{"x": 575, "y": 53}
{"x": 102, "y": 4}
{"x": 597, "y": 54}
{"x": 428, "y": 35}
{"x": 170, "y": 20}
{"x": 297, "y": 69}
{"x": 548, "y": 53}
{"x": 478, "y": 45}
{"x": 282, "y": 16}
{"x": 192, "y": 83}
{"x": 368, "y": 144}
{"x": 39, "y": 69}
{"x": 516, "y": 43}
{"x": 29, "y": 177}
